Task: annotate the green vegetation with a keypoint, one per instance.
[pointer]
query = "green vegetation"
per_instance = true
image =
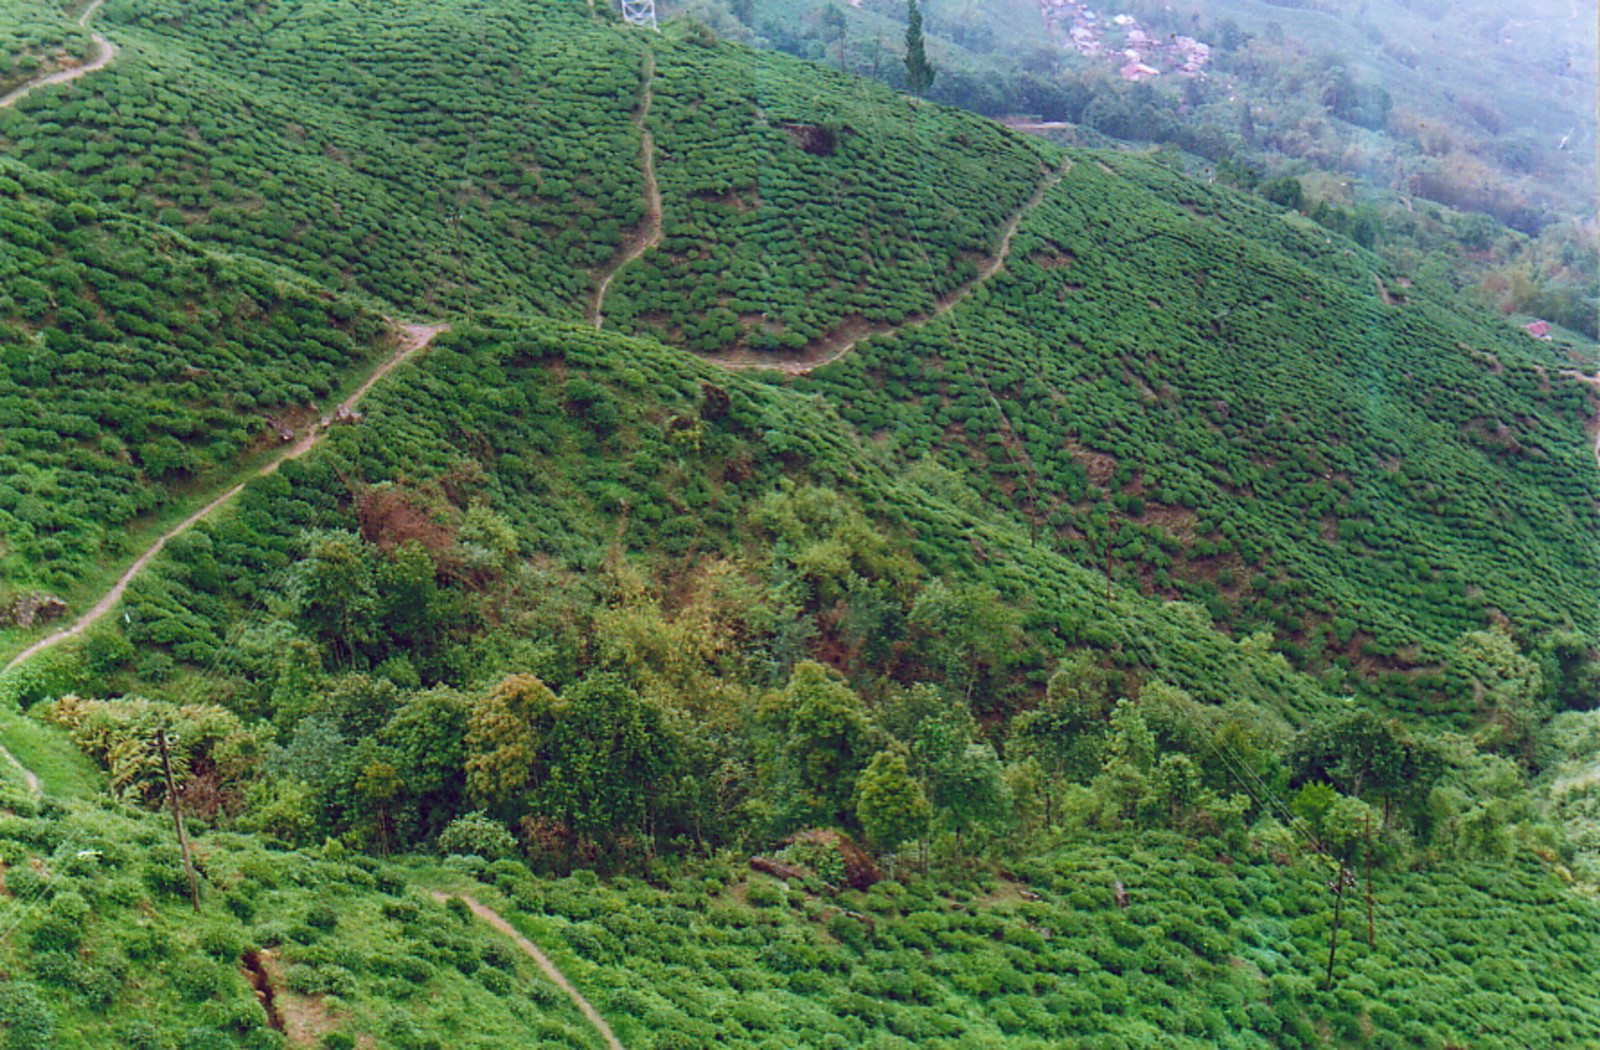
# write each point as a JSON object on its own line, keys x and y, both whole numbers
{"x": 35, "y": 38}
{"x": 1305, "y": 487}
{"x": 135, "y": 363}
{"x": 1106, "y": 941}
{"x": 1377, "y": 116}
{"x": 63, "y": 770}
{"x": 1240, "y": 442}
{"x": 1148, "y": 562}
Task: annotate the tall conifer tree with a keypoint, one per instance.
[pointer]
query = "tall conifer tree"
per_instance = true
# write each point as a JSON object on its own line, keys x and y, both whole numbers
{"x": 919, "y": 74}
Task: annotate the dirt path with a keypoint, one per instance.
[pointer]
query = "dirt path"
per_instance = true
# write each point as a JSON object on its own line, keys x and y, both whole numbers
{"x": 648, "y": 233}
{"x": 105, "y": 51}
{"x": 843, "y": 339}
{"x": 28, "y": 775}
{"x": 412, "y": 338}
{"x": 548, "y": 968}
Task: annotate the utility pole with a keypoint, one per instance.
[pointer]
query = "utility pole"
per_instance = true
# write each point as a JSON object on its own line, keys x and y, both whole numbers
{"x": 1341, "y": 881}
{"x": 1108, "y": 559}
{"x": 1372, "y": 935}
{"x": 177, "y": 819}
{"x": 640, "y": 13}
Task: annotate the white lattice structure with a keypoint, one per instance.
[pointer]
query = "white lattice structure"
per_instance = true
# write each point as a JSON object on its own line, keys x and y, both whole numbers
{"x": 640, "y": 13}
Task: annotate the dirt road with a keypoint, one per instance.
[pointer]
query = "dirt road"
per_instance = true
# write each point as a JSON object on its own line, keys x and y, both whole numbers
{"x": 540, "y": 959}
{"x": 105, "y": 51}
{"x": 411, "y": 338}
{"x": 648, "y": 233}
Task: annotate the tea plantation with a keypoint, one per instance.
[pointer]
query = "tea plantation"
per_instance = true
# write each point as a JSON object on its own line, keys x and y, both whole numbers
{"x": 839, "y": 574}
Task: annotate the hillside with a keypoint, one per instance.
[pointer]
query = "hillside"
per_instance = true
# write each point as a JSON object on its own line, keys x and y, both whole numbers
{"x": 1455, "y": 139}
{"x": 322, "y": 948}
{"x": 796, "y": 247}
{"x": 136, "y": 365}
{"x": 510, "y": 454}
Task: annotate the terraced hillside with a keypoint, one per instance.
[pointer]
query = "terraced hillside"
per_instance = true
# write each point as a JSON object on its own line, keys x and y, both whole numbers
{"x": 137, "y": 366}
{"x": 37, "y": 39}
{"x": 1205, "y": 398}
{"x": 302, "y": 948}
{"x": 794, "y": 476}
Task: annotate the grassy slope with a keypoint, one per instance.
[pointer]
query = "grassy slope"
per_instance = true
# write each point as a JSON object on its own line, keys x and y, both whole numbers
{"x": 105, "y": 951}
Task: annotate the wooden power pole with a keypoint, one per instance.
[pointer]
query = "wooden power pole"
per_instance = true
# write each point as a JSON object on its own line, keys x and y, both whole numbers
{"x": 177, "y": 819}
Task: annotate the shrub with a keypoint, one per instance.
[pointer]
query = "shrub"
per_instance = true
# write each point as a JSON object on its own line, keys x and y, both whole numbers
{"x": 765, "y": 893}
{"x": 142, "y": 1035}
{"x": 197, "y": 979}
{"x": 477, "y": 835}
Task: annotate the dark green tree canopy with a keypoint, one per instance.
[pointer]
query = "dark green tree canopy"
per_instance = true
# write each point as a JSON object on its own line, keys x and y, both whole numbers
{"x": 919, "y": 73}
{"x": 1362, "y": 753}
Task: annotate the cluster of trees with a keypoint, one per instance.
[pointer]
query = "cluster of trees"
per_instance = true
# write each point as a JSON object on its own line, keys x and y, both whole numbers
{"x": 654, "y": 751}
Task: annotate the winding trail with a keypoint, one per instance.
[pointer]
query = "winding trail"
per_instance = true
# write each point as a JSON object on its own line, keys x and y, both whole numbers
{"x": 105, "y": 51}
{"x": 546, "y": 966}
{"x": 412, "y": 338}
{"x": 648, "y": 233}
{"x": 28, "y": 775}
{"x": 843, "y": 339}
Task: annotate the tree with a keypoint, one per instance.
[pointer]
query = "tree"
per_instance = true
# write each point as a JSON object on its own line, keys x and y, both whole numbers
{"x": 964, "y": 632}
{"x": 1571, "y": 671}
{"x": 919, "y": 74}
{"x": 822, "y": 733}
{"x": 428, "y": 735}
{"x": 505, "y": 735}
{"x": 1361, "y": 753}
{"x": 1507, "y": 684}
{"x": 335, "y": 591}
{"x": 970, "y": 789}
{"x": 607, "y": 758}
{"x": 594, "y": 760}
{"x": 833, "y": 18}
{"x": 1285, "y": 192}
{"x": 890, "y": 803}
{"x": 1066, "y": 732}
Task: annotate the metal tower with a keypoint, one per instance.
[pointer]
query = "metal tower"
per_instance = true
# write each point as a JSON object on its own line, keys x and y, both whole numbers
{"x": 640, "y": 13}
